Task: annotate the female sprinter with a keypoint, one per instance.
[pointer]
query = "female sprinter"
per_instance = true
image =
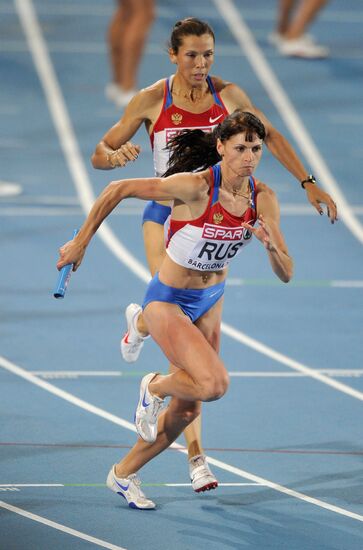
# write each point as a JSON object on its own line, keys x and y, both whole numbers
{"x": 212, "y": 221}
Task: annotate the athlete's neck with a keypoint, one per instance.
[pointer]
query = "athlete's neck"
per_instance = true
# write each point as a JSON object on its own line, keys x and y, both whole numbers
{"x": 181, "y": 89}
{"x": 235, "y": 184}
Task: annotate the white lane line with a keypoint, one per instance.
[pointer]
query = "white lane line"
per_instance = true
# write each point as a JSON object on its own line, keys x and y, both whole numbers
{"x": 135, "y": 206}
{"x": 58, "y": 526}
{"x": 291, "y": 363}
{"x": 287, "y": 111}
{"x": 219, "y": 484}
{"x": 99, "y": 48}
{"x": 39, "y": 212}
{"x": 18, "y": 371}
{"x": 342, "y": 283}
{"x": 92, "y": 485}
{"x": 73, "y": 157}
{"x": 347, "y": 284}
{"x": 31, "y": 485}
{"x": 233, "y": 374}
{"x": 29, "y": 210}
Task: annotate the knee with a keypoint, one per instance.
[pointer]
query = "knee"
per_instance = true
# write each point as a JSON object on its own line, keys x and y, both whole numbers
{"x": 215, "y": 387}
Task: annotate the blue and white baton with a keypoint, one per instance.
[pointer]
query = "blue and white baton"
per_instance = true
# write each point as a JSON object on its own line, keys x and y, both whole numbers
{"x": 63, "y": 277}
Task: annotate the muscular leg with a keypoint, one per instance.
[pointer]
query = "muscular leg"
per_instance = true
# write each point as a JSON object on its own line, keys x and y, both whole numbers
{"x": 127, "y": 35}
{"x": 305, "y": 14}
{"x": 192, "y": 432}
{"x": 201, "y": 375}
{"x": 116, "y": 30}
{"x": 155, "y": 252}
{"x": 180, "y": 413}
{"x": 284, "y": 15}
{"x": 171, "y": 423}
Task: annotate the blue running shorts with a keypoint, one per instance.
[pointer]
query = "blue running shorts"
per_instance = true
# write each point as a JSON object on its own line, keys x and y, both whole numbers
{"x": 155, "y": 212}
{"x": 193, "y": 302}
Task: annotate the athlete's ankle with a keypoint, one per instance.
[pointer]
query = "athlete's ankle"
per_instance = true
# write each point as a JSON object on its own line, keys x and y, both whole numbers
{"x": 120, "y": 472}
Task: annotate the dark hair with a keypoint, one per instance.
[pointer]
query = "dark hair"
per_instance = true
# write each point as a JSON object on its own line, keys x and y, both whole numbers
{"x": 186, "y": 27}
{"x": 195, "y": 150}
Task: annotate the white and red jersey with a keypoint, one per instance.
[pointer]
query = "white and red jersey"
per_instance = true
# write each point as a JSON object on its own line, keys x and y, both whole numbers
{"x": 172, "y": 120}
{"x": 210, "y": 242}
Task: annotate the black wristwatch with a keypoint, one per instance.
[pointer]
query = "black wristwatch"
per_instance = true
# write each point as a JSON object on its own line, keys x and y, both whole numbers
{"x": 309, "y": 179}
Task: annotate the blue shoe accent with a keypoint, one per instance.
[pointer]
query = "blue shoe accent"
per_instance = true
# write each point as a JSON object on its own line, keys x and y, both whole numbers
{"x": 124, "y": 488}
{"x": 144, "y": 404}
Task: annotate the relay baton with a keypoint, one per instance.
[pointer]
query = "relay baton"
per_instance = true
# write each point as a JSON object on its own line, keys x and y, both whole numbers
{"x": 63, "y": 277}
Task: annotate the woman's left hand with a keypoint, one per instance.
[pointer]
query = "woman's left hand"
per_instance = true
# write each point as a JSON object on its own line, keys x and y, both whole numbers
{"x": 262, "y": 232}
{"x": 317, "y": 196}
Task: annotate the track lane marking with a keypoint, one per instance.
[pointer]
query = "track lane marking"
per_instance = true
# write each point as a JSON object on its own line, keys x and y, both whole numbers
{"x": 18, "y": 371}
{"x": 58, "y": 526}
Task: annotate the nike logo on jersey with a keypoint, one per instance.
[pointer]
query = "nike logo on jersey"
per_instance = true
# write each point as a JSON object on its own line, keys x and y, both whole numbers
{"x": 211, "y": 120}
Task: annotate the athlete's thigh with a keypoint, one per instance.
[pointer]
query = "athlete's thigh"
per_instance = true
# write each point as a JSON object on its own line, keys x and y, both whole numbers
{"x": 154, "y": 243}
{"x": 210, "y": 324}
{"x": 182, "y": 342}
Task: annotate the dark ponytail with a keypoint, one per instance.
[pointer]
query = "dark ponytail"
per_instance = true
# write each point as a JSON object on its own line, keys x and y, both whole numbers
{"x": 192, "y": 150}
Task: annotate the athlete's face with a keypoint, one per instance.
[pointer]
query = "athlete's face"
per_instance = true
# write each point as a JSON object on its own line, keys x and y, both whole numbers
{"x": 241, "y": 156}
{"x": 194, "y": 58}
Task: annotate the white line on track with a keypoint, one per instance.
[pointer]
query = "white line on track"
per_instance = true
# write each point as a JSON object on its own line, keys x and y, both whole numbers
{"x": 219, "y": 484}
{"x": 32, "y": 485}
{"x": 51, "y": 485}
{"x": 233, "y": 374}
{"x": 73, "y": 157}
{"x": 18, "y": 371}
{"x": 288, "y": 362}
{"x": 288, "y": 113}
{"x": 29, "y": 210}
{"x": 58, "y": 526}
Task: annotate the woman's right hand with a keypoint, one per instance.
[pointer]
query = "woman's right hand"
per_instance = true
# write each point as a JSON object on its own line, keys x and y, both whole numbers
{"x": 71, "y": 253}
{"x": 124, "y": 154}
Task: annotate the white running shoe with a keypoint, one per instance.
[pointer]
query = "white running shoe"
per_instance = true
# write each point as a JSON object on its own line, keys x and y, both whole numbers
{"x": 129, "y": 488}
{"x": 118, "y": 95}
{"x": 8, "y": 189}
{"x": 304, "y": 47}
{"x": 200, "y": 474}
{"x": 148, "y": 410}
{"x": 274, "y": 38}
{"x": 132, "y": 341}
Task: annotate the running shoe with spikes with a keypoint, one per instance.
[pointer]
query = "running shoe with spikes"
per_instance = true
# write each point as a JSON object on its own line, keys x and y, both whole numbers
{"x": 132, "y": 341}
{"x": 129, "y": 489}
{"x": 147, "y": 412}
{"x": 200, "y": 474}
